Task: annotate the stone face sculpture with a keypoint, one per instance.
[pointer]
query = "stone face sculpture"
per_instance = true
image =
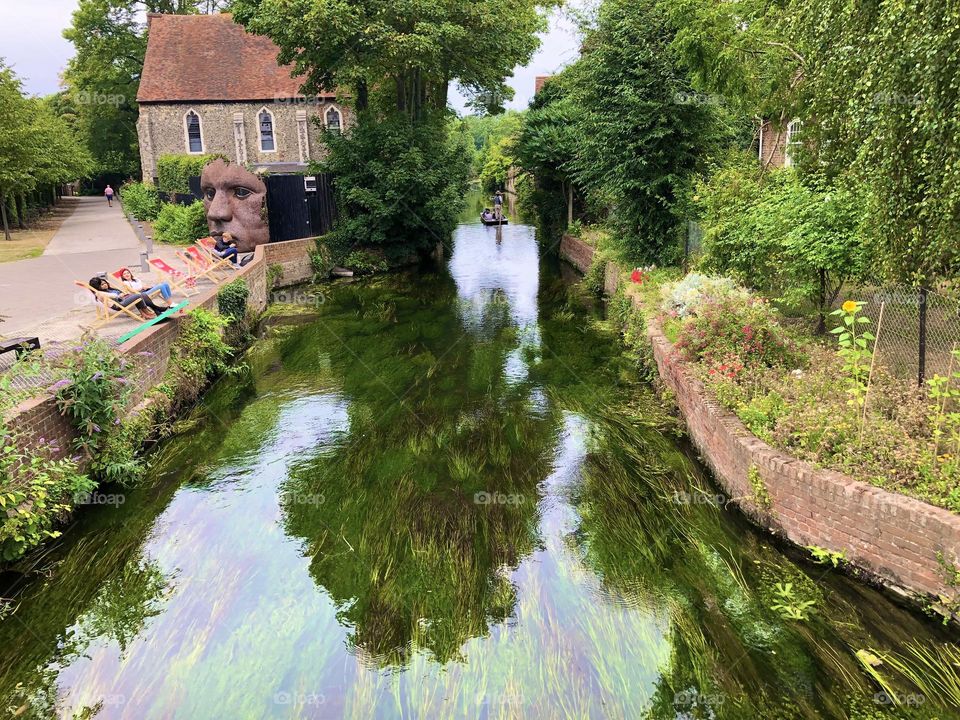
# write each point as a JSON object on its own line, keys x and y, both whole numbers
{"x": 235, "y": 202}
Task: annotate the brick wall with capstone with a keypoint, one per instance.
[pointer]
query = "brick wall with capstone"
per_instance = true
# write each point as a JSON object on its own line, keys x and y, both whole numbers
{"x": 149, "y": 352}
{"x": 893, "y": 538}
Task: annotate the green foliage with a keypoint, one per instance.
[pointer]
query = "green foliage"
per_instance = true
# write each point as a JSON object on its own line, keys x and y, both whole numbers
{"x": 35, "y": 490}
{"x": 365, "y": 263}
{"x": 232, "y": 300}
{"x": 878, "y": 87}
{"x": 822, "y": 556}
{"x": 789, "y": 606}
{"x": 944, "y": 416}
{"x": 854, "y": 348}
{"x": 400, "y": 185}
{"x": 800, "y": 240}
{"x": 93, "y": 391}
{"x": 486, "y": 132}
{"x": 497, "y": 161}
{"x": 140, "y": 200}
{"x": 274, "y": 275}
{"x": 174, "y": 171}
{"x": 38, "y": 148}
{"x": 181, "y": 224}
{"x": 198, "y": 354}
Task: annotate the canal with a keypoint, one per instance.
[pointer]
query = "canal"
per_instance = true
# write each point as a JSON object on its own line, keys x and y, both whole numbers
{"x": 440, "y": 494}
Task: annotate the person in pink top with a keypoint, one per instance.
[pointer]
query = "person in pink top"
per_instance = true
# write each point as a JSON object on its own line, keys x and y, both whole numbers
{"x": 109, "y": 193}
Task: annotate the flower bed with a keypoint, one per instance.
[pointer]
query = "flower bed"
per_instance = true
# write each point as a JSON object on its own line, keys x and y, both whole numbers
{"x": 830, "y": 406}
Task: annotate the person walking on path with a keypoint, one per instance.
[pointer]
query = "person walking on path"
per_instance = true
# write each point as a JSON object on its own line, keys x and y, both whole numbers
{"x": 109, "y": 193}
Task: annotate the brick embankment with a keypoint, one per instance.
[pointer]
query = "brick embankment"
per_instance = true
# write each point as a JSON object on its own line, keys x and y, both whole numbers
{"x": 149, "y": 351}
{"x": 893, "y": 538}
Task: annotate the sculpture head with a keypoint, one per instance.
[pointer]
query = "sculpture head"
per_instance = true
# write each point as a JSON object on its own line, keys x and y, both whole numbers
{"x": 235, "y": 201}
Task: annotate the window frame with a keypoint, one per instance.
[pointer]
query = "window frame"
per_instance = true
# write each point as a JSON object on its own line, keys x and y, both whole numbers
{"x": 186, "y": 131}
{"x": 273, "y": 130}
{"x": 794, "y": 127}
{"x": 326, "y": 113}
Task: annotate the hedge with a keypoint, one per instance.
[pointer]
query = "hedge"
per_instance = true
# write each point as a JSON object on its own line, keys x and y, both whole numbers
{"x": 174, "y": 171}
{"x": 140, "y": 200}
{"x": 181, "y": 224}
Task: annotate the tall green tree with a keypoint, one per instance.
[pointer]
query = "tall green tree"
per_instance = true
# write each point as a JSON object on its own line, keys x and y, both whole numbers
{"x": 38, "y": 149}
{"x": 398, "y": 59}
{"x": 644, "y": 131}
{"x": 102, "y": 79}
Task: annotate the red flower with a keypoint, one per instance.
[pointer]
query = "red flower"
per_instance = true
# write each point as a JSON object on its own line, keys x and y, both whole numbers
{"x": 636, "y": 276}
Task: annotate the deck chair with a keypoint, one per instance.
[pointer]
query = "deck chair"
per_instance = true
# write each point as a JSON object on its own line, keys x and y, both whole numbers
{"x": 209, "y": 246}
{"x": 108, "y": 309}
{"x": 180, "y": 282}
{"x": 203, "y": 264}
{"x": 126, "y": 288}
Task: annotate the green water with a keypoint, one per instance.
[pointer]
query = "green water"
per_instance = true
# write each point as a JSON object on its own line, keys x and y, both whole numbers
{"x": 439, "y": 495}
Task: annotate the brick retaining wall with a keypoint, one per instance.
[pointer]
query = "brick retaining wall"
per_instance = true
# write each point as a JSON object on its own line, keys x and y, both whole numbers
{"x": 892, "y": 537}
{"x": 150, "y": 350}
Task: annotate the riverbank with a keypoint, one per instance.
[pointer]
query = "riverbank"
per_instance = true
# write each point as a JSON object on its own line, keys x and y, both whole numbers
{"x": 900, "y": 542}
{"x": 129, "y": 390}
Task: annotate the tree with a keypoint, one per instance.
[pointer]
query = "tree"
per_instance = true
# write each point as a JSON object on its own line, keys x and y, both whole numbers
{"x": 398, "y": 58}
{"x": 102, "y": 79}
{"x": 37, "y": 148}
{"x": 643, "y": 132}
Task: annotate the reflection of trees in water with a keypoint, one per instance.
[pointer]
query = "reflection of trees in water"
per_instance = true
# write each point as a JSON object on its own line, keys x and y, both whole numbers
{"x": 731, "y": 655}
{"x": 433, "y": 494}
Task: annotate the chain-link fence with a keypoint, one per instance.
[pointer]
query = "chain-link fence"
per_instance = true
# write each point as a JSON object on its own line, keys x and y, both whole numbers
{"x": 917, "y": 331}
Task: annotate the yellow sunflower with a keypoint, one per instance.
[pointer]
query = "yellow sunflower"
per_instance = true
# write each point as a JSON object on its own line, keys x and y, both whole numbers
{"x": 849, "y": 306}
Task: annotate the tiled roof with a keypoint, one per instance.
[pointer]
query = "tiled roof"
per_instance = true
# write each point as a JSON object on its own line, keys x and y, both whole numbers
{"x": 210, "y": 57}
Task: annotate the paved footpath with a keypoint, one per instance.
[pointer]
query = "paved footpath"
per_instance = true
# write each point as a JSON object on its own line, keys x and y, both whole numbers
{"x": 38, "y": 296}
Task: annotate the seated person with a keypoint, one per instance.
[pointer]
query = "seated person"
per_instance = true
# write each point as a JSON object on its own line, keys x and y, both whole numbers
{"x": 145, "y": 305}
{"x": 486, "y": 214}
{"x": 225, "y": 247}
{"x": 137, "y": 285}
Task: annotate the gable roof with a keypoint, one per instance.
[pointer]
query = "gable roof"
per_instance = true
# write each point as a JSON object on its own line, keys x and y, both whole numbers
{"x": 211, "y": 58}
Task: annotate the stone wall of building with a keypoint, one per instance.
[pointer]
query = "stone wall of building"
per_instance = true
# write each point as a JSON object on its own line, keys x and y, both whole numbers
{"x": 233, "y": 129}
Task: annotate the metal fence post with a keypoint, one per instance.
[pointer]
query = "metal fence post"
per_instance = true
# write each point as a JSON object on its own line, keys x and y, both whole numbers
{"x": 922, "y": 344}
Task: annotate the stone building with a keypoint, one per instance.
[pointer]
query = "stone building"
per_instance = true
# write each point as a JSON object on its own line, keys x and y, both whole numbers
{"x": 208, "y": 86}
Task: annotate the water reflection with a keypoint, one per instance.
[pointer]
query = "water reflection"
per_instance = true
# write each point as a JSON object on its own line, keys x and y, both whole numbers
{"x": 446, "y": 496}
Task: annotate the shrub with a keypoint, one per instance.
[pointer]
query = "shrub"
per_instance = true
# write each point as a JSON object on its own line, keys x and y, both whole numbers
{"x": 181, "y": 224}
{"x": 731, "y": 334}
{"x": 140, "y": 200}
{"x": 682, "y": 298}
{"x": 198, "y": 354}
{"x": 36, "y": 492}
{"x": 92, "y": 392}
{"x": 232, "y": 300}
{"x": 363, "y": 262}
{"x": 174, "y": 171}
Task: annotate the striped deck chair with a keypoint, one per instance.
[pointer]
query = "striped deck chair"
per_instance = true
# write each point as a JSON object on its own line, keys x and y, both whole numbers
{"x": 108, "y": 309}
{"x": 180, "y": 282}
{"x": 126, "y": 288}
{"x": 201, "y": 264}
{"x": 209, "y": 246}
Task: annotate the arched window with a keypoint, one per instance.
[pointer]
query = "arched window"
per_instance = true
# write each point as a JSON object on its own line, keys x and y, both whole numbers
{"x": 333, "y": 120}
{"x": 194, "y": 132}
{"x": 265, "y": 123}
{"x": 794, "y": 128}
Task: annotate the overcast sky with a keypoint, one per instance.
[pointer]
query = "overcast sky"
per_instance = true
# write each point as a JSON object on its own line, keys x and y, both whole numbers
{"x": 31, "y": 41}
